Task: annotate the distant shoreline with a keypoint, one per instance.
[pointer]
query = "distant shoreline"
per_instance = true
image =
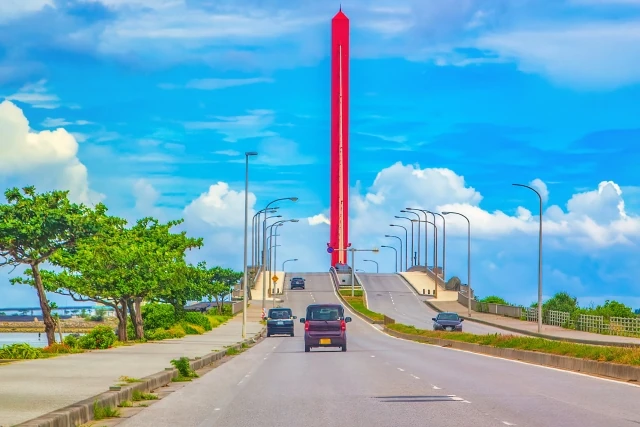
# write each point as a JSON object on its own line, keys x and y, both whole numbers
{"x": 68, "y": 326}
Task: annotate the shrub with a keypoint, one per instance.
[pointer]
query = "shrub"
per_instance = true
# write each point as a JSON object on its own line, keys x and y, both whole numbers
{"x": 57, "y": 348}
{"x": 158, "y": 334}
{"x": 191, "y": 329}
{"x": 199, "y": 319}
{"x": 100, "y": 337}
{"x": 177, "y": 331}
{"x": 72, "y": 340}
{"x": 156, "y": 316}
{"x": 99, "y": 314}
{"x": 19, "y": 351}
{"x": 184, "y": 367}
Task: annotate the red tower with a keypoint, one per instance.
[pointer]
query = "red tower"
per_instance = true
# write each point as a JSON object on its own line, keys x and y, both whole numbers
{"x": 339, "y": 227}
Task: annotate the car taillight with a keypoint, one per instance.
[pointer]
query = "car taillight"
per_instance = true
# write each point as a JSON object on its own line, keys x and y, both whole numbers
{"x": 306, "y": 325}
{"x": 343, "y": 325}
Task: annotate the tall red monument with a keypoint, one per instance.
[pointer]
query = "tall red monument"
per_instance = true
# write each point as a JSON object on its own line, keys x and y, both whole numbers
{"x": 339, "y": 227}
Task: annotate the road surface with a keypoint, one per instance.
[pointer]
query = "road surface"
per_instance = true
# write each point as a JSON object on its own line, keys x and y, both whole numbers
{"x": 385, "y": 382}
{"x": 389, "y": 294}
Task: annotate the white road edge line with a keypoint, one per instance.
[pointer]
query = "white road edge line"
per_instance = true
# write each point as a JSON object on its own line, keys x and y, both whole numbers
{"x": 435, "y": 387}
{"x": 508, "y": 423}
{"x": 400, "y": 369}
{"x": 415, "y": 377}
{"x": 620, "y": 382}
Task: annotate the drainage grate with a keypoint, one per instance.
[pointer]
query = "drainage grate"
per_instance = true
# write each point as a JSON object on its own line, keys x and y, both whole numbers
{"x": 418, "y": 399}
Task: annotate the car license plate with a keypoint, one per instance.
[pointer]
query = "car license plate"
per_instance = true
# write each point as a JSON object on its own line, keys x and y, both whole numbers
{"x": 449, "y": 328}
{"x": 280, "y": 323}
{"x": 325, "y": 341}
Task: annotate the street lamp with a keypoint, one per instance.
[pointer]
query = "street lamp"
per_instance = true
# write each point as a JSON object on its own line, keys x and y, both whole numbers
{"x": 376, "y": 262}
{"x": 353, "y": 265}
{"x": 246, "y": 231}
{"x": 406, "y": 246}
{"x": 396, "y": 255}
{"x": 539, "y": 257}
{"x": 289, "y": 260}
{"x": 426, "y": 234}
{"x": 425, "y": 230}
{"x": 264, "y": 242}
{"x": 255, "y": 244}
{"x": 435, "y": 255}
{"x": 444, "y": 243}
{"x": 397, "y": 237}
{"x": 264, "y": 277}
{"x": 468, "y": 257}
{"x": 411, "y": 221}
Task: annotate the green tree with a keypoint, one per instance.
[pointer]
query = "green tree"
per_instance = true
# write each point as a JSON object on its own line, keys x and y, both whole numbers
{"x": 220, "y": 285}
{"x": 561, "y": 301}
{"x": 34, "y": 227}
{"x": 2, "y": 313}
{"x": 494, "y": 299}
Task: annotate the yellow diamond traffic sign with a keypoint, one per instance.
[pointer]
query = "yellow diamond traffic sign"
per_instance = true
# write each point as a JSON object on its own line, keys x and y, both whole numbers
{"x": 274, "y": 278}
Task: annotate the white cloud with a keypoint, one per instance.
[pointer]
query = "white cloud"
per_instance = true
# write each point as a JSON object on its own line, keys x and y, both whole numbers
{"x": 252, "y": 125}
{"x": 539, "y": 185}
{"x": 146, "y": 195}
{"x": 56, "y": 123}
{"x": 278, "y": 151}
{"x": 47, "y": 158}
{"x": 213, "y": 84}
{"x": 220, "y": 207}
{"x": 318, "y": 219}
{"x": 594, "y": 54}
{"x": 12, "y": 9}
{"x": 230, "y": 153}
{"x": 36, "y": 95}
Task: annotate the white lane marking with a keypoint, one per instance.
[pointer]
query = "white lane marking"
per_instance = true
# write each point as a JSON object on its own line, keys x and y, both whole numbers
{"x": 465, "y": 401}
{"x": 372, "y": 356}
{"x": 400, "y": 369}
{"x": 415, "y": 377}
{"x": 508, "y": 423}
{"x": 435, "y": 387}
{"x": 216, "y": 409}
{"x": 274, "y": 347}
{"x": 264, "y": 358}
{"x": 241, "y": 381}
{"x": 491, "y": 357}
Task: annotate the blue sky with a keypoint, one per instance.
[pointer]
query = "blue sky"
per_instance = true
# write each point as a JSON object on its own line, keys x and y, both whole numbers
{"x": 451, "y": 102}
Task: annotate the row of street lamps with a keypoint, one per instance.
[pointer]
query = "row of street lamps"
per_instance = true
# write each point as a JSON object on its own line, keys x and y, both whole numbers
{"x": 435, "y": 247}
{"x": 258, "y": 250}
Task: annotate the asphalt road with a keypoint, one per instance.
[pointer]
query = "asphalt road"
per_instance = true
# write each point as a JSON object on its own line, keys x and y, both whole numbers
{"x": 389, "y": 294}
{"x": 386, "y": 382}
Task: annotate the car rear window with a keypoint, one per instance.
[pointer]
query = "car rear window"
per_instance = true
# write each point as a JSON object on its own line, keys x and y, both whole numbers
{"x": 280, "y": 314}
{"x": 325, "y": 313}
{"x": 448, "y": 316}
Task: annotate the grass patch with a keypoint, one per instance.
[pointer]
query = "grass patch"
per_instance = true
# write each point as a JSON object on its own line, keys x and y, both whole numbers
{"x": 185, "y": 373}
{"x": 356, "y": 293}
{"x": 357, "y": 303}
{"x": 620, "y": 355}
{"x": 233, "y": 351}
{"x": 181, "y": 379}
{"x": 129, "y": 380}
{"x": 101, "y": 412}
{"x": 138, "y": 396}
{"x": 125, "y": 404}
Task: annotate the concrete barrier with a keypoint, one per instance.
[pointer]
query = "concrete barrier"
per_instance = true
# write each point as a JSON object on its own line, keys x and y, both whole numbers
{"x": 591, "y": 367}
{"x": 82, "y": 412}
{"x": 499, "y": 309}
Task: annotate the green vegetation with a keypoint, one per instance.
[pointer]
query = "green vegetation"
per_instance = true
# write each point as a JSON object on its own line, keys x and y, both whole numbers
{"x": 103, "y": 259}
{"x": 621, "y": 355}
{"x": 129, "y": 380}
{"x": 125, "y": 404}
{"x": 356, "y": 293}
{"x": 19, "y": 351}
{"x": 101, "y": 412}
{"x": 185, "y": 373}
{"x": 493, "y": 299}
{"x": 358, "y": 304}
{"x": 231, "y": 351}
{"x": 160, "y": 322}
{"x": 138, "y": 396}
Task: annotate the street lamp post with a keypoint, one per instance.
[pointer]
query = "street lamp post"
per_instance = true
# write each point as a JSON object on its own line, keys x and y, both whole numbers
{"x": 396, "y": 253}
{"x": 264, "y": 239}
{"x": 468, "y": 258}
{"x": 256, "y": 234}
{"x": 425, "y": 230}
{"x": 272, "y": 226}
{"x": 444, "y": 244}
{"x": 426, "y": 234}
{"x": 353, "y": 266}
{"x": 245, "y": 283}
{"x": 539, "y": 257}
{"x": 289, "y": 260}
{"x": 411, "y": 221}
{"x": 376, "y": 262}
{"x": 399, "y": 238}
{"x": 435, "y": 255}
{"x": 406, "y": 246}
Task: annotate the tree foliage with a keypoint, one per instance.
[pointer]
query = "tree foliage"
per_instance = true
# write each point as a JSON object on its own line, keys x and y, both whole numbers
{"x": 100, "y": 258}
{"x": 34, "y": 227}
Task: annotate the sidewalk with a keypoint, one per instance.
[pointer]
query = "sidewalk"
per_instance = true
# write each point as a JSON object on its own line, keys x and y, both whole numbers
{"x": 29, "y": 389}
{"x": 531, "y": 328}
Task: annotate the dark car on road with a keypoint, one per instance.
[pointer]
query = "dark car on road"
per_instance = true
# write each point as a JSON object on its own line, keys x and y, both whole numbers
{"x": 325, "y": 326}
{"x": 280, "y": 322}
{"x": 297, "y": 283}
{"x": 447, "y": 322}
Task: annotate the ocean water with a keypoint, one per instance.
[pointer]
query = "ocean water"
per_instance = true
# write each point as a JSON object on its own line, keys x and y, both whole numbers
{"x": 32, "y": 339}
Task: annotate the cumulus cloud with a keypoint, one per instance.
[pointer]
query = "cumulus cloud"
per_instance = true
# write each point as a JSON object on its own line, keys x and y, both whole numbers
{"x": 318, "y": 219}
{"x": 45, "y": 158}
{"x": 220, "y": 207}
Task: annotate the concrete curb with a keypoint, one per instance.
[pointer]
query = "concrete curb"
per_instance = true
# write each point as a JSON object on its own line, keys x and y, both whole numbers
{"x": 82, "y": 412}
{"x": 545, "y": 336}
{"x": 591, "y": 367}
